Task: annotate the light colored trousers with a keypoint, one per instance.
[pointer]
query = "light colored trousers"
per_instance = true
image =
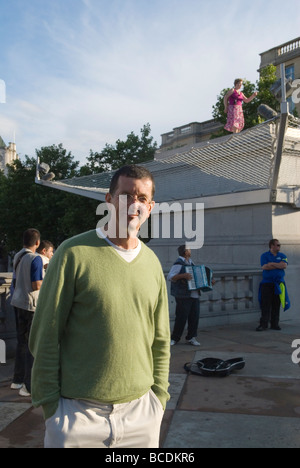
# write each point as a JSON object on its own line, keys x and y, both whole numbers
{"x": 86, "y": 424}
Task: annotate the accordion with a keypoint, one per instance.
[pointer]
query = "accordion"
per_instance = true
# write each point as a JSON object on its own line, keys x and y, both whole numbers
{"x": 201, "y": 278}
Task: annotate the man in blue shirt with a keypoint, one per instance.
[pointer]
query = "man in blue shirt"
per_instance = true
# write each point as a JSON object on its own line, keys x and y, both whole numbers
{"x": 28, "y": 274}
{"x": 273, "y": 264}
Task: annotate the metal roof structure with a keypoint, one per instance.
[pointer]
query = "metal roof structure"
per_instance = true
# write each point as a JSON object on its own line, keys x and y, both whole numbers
{"x": 257, "y": 165}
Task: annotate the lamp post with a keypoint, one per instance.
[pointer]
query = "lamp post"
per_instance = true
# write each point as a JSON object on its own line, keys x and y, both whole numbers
{"x": 284, "y": 106}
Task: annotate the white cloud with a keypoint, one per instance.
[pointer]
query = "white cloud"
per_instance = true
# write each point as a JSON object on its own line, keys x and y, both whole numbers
{"x": 9, "y": 128}
{"x": 87, "y": 72}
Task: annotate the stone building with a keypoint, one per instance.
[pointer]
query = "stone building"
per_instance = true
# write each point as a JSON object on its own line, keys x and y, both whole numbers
{"x": 189, "y": 134}
{"x": 289, "y": 55}
{"x": 7, "y": 154}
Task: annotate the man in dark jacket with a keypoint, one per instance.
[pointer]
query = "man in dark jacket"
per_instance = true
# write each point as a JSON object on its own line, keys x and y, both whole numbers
{"x": 187, "y": 302}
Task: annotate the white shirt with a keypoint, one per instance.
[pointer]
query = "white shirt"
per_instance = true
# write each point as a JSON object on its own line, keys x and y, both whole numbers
{"x": 46, "y": 260}
{"x": 127, "y": 255}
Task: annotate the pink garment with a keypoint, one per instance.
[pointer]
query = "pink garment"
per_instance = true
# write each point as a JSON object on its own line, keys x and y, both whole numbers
{"x": 235, "y": 118}
{"x": 236, "y": 99}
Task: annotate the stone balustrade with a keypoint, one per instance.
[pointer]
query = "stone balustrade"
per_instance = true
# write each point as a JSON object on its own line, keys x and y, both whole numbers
{"x": 234, "y": 298}
{"x": 288, "y": 47}
{"x": 7, "y": 315}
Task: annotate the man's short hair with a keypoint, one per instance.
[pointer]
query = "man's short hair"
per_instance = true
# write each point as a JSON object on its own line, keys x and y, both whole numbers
{"x": 272, "y": 242}
{"x": 30, "y": 237}
{"x": 45, "y": 244}
{"x": 134, "y": 172}
{"x": 181, "y": 250}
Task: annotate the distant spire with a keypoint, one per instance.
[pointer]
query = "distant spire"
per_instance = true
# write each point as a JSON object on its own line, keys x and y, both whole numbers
{"x": 2, "y": 144}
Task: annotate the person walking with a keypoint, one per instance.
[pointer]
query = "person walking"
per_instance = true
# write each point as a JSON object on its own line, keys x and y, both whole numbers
{"x": 102, "y": 343}
{"x": 28, "y": 273}
{"x": 272, "y": 287}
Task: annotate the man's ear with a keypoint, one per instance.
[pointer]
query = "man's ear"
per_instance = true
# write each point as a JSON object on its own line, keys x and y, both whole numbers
{"x": 108, "y": 197}
{"x": 151, "y": 206}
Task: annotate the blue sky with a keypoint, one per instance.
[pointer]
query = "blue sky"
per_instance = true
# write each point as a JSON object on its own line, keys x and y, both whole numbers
{"x": 88, "y": 72}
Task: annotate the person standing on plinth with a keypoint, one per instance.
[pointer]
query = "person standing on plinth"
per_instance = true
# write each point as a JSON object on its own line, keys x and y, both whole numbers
{"x": 233, "y": 107}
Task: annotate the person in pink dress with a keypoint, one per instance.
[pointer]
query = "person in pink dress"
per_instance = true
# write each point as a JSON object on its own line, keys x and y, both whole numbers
{"x": 233, "y": 107}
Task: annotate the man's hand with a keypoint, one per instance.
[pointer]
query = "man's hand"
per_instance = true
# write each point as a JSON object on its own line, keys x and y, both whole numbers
{"x": 36, "y": 285}
{"x": 185, "y": 276}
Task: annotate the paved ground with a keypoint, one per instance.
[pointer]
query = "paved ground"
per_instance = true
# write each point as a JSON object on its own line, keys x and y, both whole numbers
{"x": 256, "y": 407}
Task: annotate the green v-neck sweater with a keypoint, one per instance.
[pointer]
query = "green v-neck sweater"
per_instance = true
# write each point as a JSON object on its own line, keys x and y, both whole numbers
{"x": 101, "y": 326}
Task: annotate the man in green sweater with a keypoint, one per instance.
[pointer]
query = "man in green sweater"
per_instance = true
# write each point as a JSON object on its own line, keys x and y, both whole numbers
{"x": 100, "y": 336}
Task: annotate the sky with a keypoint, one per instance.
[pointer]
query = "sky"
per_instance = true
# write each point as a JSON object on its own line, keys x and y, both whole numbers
{"x": 88, "y": 72}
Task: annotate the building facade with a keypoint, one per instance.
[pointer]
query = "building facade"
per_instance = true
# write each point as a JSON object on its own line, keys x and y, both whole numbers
{"x": 7, "y": 154}
{"x": 189, "y": 134}
{"x": 288, "y": 54}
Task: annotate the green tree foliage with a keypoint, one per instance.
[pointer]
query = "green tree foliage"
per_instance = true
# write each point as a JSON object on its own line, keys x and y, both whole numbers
{"x": 60, "y": 215}
{"x": 60, "y": 162}
{"x": 134, "y": 150}
{"x": 262, "y": 86}
{"x": 266, "y": 80}
{"x": 24, "y": 204}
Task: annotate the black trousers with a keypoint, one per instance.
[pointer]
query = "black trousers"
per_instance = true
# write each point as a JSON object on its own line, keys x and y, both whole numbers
{"x": 24, "y": 358}
{"x": 270, "y": 306}
{"x": 187, "y": 310}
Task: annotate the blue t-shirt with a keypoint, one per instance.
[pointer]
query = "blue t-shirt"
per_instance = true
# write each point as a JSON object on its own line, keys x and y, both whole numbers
{"x": 36, "y": 271}
{"x": 273, "y": 276}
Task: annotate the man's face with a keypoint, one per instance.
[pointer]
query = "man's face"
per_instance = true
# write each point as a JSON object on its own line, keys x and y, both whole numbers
{"x": 275, "y": 248}
{"x": 188, "y": 254}
{"x": 133, "y": 203}
{"x": 49, "y": 253}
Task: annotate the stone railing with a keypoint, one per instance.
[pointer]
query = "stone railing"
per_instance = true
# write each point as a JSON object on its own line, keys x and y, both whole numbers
{"x": 288, "y": 47}
{"x": 7, "y": 315}
{"x": 192, "y": 129}
{"x": 234, "y": 298}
